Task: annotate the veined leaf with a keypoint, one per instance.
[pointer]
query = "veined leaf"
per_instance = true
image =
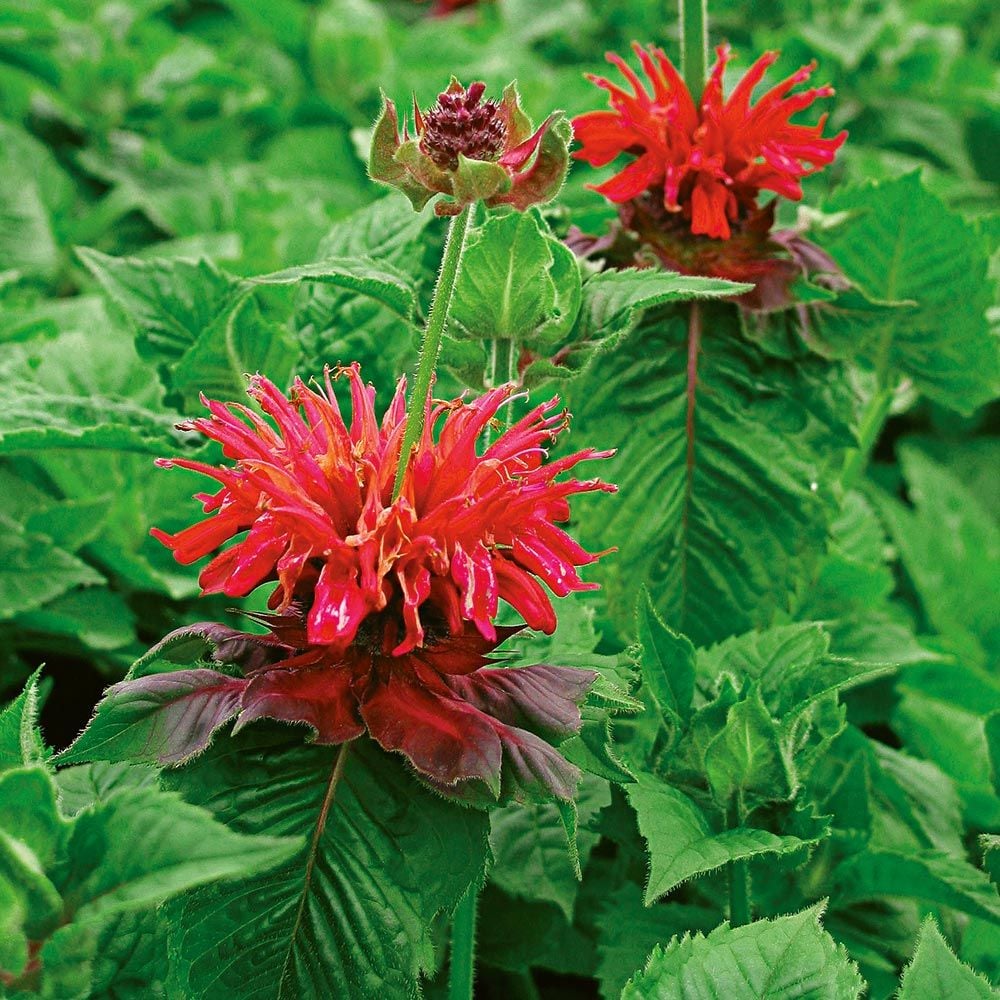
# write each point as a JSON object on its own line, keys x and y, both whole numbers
{"x": 667, "y": 662}
{"x": 786, "y": 958}
{"x": 936, "y": 972}
{"x": 932, "y": 875}
{"x": 899, "y": 242}
{"x": 724, "y": 471}
{"x": 349, "y": 914}
{"x": 529, "y": 843}
{"x": 681, "y": 842}
{"x": 20, "y": 741}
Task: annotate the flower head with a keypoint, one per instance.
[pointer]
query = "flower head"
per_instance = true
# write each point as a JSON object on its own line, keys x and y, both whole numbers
{"x": 708, "y": 162}
{"x": 470, "y": 150}
{"x": 314, "y": 499}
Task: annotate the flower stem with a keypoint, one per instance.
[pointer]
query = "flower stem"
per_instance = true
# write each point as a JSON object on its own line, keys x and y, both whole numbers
{"x": 461, "y": 974}
{"x": 872, "y": 421}
{"x": 437, "y": 320}
{"x": 694, "y": 44}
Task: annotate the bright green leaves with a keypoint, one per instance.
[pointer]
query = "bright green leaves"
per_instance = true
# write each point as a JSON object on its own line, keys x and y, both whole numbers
{"x": 787, "y": 958}
{"x": 899, "y": 242}
{"x": 203, "y": 330}
{"x": 735, "y": 447}
{"x": 84, "y": 860}
{"x": 936, "y": 972}
{"x": 682, "y": 843}
{"x": 666, "y": 662}
{"x": 518, "y": 283}
{"x": 350, "y": 913}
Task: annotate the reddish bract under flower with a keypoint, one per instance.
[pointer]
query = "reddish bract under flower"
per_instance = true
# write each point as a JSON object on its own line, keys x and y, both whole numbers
{"x": 315, "y": 498}
{"x": 713, "y": 160}
{"x": 471, "y": 729}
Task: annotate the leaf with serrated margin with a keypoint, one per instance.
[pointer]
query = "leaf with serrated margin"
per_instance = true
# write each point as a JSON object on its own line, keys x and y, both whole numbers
{"x": 529, "y": 843}
{"x": 725, "y": 469}
{"x": 349, "y": 914}
{"x": 899, "y": 242}
{"x": 791, "y": 663}
{"x": 376, "y": 279}
{"x": 20, "y": 740}
{"x": 666, "y": 661}
{"x": 681, "y": 842}
{"x": 932, "y": 875}
{"x": 936, "y": 972}
{"x": 785, "y": 958}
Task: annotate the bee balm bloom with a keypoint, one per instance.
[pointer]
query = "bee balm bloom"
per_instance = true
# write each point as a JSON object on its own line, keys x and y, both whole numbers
{"x": 314, "y": 499}
{"x": 386, "y": 607}
{"x": 709, "y": 161}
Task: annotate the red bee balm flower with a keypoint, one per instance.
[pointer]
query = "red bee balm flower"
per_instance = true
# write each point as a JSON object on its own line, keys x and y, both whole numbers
{"x": 315, "y": 498}
{"x": 386, "y": 607}
{"x": 713, "y": 160}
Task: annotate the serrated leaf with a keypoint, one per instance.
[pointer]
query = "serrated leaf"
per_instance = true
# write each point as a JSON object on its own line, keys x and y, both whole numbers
{"x": 529, "y": 843}
{"x": 899, "y": 242}
{"x": 936, "y": 972}
{"x": 791, "y": 663}
{"x": 348, "y": 915}
{"x": 681, "y": 842}
{"x": 20, "y": 740}
{"x": 930, "y": 874}
{"x": 666, "y": 663}
{"x": 87, "y": 784}
{"x": 785, "y": 958}
{"x": 182, "y": 846}
{"x": 745, "y": 762}
{"x": 736, "y": 448}
{"x": 360, "y": 275}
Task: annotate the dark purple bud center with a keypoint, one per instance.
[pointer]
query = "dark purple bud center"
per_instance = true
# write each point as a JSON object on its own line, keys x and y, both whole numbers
{"x": 461, "y": 122}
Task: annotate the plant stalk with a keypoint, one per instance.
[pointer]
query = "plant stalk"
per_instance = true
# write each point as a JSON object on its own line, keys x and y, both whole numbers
{"x": 437, "y": 321}
{"x": 694, "y": 44}
{"x": 462, "y": 972}
{"x": 740, "y": 907}
{"x": 872, "y": 421}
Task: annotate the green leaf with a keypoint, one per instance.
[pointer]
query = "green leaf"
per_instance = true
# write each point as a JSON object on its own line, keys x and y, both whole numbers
{"x": 737, "y": 450}
{"x": 681, "y": 842}
{"x": 932, "y": 875}
{"x": 899, "y": 242}
{"x": 950, "y": 546}
{"x": 628, "y": 931}
{"x": 614, "y": 301}
{"x": 182, "y": 846}
{"x": 87, "y": 784}
{"x": 517, "y": 283}
{"x": 35, "y": 571}
{"x": 791, "y": 664}
{"x": 20, "y": 741}
{"x": 666, "y": 662}
{"x": 349, "y": 914}
{"x": 786, "y": 958}
{"x": 936, "y": 972}
{"x": 376, "y": 279}
{"x": 529, "y": 843}
{"x": 746, "y": 762}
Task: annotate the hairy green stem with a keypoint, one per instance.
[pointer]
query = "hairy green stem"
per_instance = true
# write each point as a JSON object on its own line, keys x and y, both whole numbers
{"x": 437, "y": 320}
{"x": 694, "y": 44}
{"x": 462, "y": 973}
{"x": 740, "y": 906}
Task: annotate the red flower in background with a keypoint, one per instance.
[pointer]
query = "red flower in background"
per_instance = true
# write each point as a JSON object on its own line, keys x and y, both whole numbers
{"x": 386, "y": 606}
{"x": 710, "y": 161}
{"x": 315, "y": 498}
